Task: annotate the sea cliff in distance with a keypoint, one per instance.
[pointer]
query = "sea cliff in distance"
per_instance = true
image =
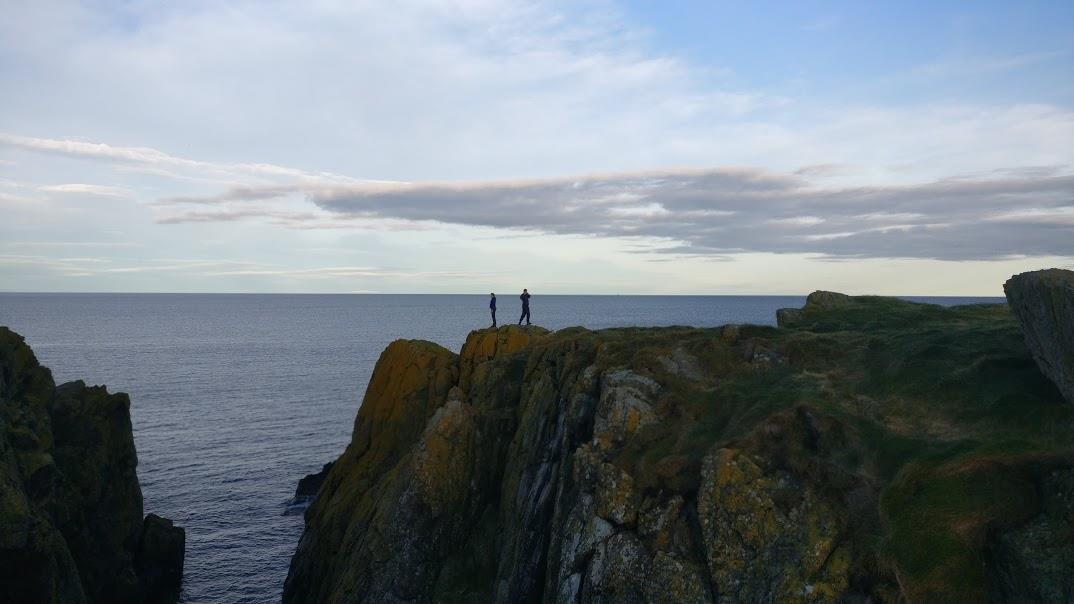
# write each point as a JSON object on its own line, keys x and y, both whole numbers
{"x": 71, "y": 524}
{"x": 867, "y": 449}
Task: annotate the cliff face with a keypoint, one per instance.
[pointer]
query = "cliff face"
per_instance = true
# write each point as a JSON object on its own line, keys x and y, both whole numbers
{"x": 1043, "y": 301}
{"x": 871, "y": 448}
{"x": 71, "y": 526}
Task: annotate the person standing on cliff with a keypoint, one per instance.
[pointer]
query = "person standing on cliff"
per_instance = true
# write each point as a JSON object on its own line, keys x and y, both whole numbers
{"x": 525, "y": 297}
{"x": 492, "y": 308}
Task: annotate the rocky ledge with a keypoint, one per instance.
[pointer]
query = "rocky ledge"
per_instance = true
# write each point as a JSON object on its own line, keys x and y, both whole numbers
{"x": 71, "y": 525}
{"x": 870, "y": 449}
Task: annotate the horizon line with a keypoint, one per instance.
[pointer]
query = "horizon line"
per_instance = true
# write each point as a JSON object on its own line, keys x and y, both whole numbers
{"x": 240, "y": 293}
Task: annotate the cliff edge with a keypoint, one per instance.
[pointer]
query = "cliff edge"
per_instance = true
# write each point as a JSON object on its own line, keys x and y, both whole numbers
{"x": 870, "y": 449}
{"x": 71, "y": 525}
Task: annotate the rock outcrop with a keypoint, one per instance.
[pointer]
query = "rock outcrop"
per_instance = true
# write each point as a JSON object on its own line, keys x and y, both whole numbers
{"x": 71, "y": 525}
{"x": 817, "y": 302}
{"x": 1043, "y": 301}
{"x": 306, "y": 491}
{"x": 873, "y": 450}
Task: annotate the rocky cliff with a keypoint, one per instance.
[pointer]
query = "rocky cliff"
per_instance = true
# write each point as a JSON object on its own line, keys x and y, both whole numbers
{"x": 1043, "y": 301}
{"x": 71, "y": 525}
{"x": 868, "y": 450}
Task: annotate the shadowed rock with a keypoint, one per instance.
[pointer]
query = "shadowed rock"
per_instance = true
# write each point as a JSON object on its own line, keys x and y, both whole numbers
{"x": 815, "y": 302}
{"x": 1043, "y": 301}
{"x": 71, "y": 525}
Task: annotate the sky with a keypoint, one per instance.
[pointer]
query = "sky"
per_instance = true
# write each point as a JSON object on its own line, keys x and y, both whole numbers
{"x": 893, "y": 148}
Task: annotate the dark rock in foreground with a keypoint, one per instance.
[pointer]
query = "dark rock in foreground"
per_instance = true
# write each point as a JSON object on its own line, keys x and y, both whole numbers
{"x": 1043, "y": 301}
{"x": 160, "y": 558}
{"x": 873, "y": 450}
{"x": 71, "y": 525}
{"x": 310, "y": 483}
{"x": 306, "y": 491}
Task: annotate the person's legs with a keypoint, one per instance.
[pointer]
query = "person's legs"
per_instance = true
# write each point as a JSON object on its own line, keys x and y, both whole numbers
{"x": 523, "y": 315}
{"x": 493, "y": 316}
{"x": 526, "y": 313}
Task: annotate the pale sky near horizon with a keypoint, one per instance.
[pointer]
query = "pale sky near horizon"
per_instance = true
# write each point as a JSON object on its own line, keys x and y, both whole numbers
{"x": 902, "y": 148}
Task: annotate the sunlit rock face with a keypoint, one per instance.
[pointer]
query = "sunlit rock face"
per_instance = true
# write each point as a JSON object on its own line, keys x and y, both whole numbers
{"x": 1043, "y": 301}
{"x": 809, "y": 463}
{"x": 71, "y": 525}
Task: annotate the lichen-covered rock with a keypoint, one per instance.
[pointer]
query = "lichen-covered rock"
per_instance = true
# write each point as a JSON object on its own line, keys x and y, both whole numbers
{"x": 71, "y": 526}
{"x": 1043, "y": 301}
{"x": 484, "y": 345}
{"x": 878, "y": 451}
{"x": 769, "y": 536}
{"x": 409, "y": 384}
{"x": 626, "y": 404}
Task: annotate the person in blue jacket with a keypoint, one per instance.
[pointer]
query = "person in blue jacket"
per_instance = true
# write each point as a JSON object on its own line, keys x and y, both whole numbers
{"x": 525, "y": 297}
{"x": 492, "y": 308}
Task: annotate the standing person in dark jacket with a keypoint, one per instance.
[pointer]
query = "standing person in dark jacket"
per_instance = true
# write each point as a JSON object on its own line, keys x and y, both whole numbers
{"x": 525, "y": 297}
{"x": 492, "y": 308}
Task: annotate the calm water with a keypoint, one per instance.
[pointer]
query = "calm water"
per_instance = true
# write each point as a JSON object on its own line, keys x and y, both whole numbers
{"x": 236, "y": 397}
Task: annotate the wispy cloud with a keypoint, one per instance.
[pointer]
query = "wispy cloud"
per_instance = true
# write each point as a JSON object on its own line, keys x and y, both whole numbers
{"x": 86, "y": 189}
{"x": 75, "y": 244}
{"x": 154, "y": 159}
{"x": 823, "y": 23}
{"x": 962, "y": 66}
{"x": 715, "y": 212}
{"x": 100, "y": 267}
{"x": 17, "y": 199}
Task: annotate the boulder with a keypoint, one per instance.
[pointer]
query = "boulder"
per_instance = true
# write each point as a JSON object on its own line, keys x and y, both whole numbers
{"x": 306, "y": 491}
{"x": 815, "y": 302}
{"x": 1043, "y": 301}
{"x": 159, "y": 561}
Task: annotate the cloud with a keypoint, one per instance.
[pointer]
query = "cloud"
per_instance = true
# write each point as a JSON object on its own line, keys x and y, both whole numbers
{"x": 154, "y": 160}
{"x": 711, "y": 212}
{"x": 17, "y": 199}
{"x": 62, "y": 244}
{"x": 85, "y": 189}
{"x": 279, "y": 112}
{"x": 962, "y": 66}
{"x": 822, "y": 23}
{"x": 102, "y": 267}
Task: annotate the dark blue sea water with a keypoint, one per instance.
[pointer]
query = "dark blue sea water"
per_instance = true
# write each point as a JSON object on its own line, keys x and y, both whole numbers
{"x": 236, "y": 397}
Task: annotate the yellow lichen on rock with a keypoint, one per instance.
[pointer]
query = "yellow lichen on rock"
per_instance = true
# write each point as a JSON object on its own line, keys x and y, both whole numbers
{"x": 410, "y": 381}
{"x": 444, "y": 458}
{"x": 484, "y": 345}
{"x": 767, "y": 533}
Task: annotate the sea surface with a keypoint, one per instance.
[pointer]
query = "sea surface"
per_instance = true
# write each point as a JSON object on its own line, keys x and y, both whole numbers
{"x": 236, "y": 397}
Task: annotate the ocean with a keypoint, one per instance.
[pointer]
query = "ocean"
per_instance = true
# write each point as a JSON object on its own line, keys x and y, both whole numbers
{"x": 235, "y": 397}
